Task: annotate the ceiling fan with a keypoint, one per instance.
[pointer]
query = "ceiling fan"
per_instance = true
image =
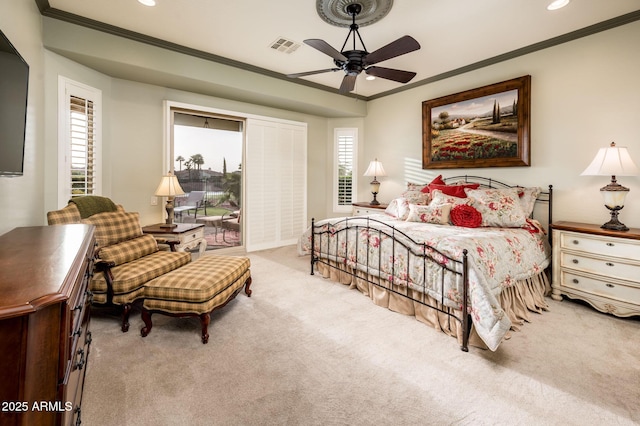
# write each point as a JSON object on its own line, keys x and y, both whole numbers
{"x": 354, "y": 61}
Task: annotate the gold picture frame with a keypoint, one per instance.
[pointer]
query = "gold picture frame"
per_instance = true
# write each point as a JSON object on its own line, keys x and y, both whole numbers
{"x": 484, "y": 127}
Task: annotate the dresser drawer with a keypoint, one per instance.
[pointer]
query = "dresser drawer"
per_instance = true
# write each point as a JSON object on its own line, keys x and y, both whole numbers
{"x": 605, "y": 267}
{"x": 601, "y": 287}
{"x": 616, "y": 247}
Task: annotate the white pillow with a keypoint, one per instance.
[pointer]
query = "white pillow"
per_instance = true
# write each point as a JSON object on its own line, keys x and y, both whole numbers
{"x": 398, "y": 208}
{"x": 429, "y": 214}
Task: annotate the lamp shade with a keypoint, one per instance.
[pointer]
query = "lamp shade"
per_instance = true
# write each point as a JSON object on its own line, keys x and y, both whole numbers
{"x": 169, "y": 187}
{"x": 375, "y": 169}
{"x": 612, "y": 161}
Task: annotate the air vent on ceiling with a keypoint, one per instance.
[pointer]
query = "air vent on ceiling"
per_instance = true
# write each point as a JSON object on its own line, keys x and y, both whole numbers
{"x": 282, "y": 44}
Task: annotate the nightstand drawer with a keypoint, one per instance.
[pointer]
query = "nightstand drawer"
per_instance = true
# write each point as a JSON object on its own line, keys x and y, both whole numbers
{"x": 188, "y": 237}
{"x": 627, "y": 249}
{"x": 363, "y": 209}
{"x": 607, "y": 268}
{"x": 601, "y": 287}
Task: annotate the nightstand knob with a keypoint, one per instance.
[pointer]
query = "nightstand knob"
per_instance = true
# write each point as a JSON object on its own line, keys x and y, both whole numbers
{"x": 575, "y": 260}
{"x": 610, "y": 285}
{"x": 575, "y": 281}
{"x": 610, "y": 244}
{"x": 575, "y": 241}
{"x": 609, "y": 264}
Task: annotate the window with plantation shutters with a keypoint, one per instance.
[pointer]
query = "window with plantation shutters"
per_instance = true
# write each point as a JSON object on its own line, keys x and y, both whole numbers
{"x": 345, "y": 184}
{"x": 79, "y": 140}
{"x": 82, "y": 138}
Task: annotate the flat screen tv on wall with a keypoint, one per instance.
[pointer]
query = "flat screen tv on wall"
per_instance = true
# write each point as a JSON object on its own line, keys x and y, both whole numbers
{"x": 14, "y": 84}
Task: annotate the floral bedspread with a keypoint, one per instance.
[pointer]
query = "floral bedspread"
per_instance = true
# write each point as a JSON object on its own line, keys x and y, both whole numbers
{"x": 497, "y": 258}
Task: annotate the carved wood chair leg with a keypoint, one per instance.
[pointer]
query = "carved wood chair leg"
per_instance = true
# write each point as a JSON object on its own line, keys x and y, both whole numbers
{"x": 146, "y": 318}
{"x": 204, "y": 320}
{"x": 126, "y": 310}
{"x": 247, "y": 284}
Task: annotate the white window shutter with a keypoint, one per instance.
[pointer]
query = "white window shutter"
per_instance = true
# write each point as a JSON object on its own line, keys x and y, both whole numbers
{"x": 344, "y": 178}
{"x": 276, "y": 182}
{"x": 79, "y": 140}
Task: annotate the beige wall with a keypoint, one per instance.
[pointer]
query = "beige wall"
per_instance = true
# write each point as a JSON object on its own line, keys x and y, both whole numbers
{"x": 133, "y": 140}
{"x": 585, "y": 94}
{"x": 22, "y": 197}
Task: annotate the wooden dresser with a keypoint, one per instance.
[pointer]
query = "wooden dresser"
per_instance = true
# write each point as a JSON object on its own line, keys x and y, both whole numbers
{"x": 44, "y": 323}
{"x": 599, "y": 266}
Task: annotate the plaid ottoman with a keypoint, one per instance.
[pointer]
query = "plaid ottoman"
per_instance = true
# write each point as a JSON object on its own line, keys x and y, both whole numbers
{"x": 196, "y": 289}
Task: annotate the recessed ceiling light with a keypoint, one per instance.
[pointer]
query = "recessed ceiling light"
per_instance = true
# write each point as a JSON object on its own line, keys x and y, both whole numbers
{"x": 148, "y": 2}
{"x": 557, "y": 4}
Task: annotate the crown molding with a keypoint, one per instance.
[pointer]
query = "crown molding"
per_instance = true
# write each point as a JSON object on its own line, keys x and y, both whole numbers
{"x": 48, "y": 11}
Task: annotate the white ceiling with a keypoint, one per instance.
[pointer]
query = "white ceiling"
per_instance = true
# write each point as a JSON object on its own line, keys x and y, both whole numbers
{"x": 453, "y": 33}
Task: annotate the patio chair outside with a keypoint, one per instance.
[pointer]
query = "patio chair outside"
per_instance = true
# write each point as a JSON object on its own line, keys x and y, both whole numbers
{"x": 231, "y": 223}
{"x": 193, "y": 201}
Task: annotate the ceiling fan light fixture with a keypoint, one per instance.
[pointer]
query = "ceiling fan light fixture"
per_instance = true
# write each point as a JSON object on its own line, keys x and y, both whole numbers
{"x": 557, "y": 4}
{"x": 352, "y": 61}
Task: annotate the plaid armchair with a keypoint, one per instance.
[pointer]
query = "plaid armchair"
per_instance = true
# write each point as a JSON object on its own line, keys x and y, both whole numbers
{"x": 126, "y": 259}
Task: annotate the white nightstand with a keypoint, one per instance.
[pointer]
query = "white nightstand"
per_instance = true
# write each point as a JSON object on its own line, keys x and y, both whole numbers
{"x": 598, "y": 266}
{"x": 189, "y": 235}
{"x": 362, "y": 209}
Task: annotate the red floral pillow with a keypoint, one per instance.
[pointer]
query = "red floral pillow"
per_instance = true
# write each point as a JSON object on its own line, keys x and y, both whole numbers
{"x": 465, "y": 215}
{"x": 454, "y": 190}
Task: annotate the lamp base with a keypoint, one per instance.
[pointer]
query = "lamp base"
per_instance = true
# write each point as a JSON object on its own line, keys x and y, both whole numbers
{"x": 374, "y": 202}
{"x": 170, "y": 216}
{"x": 614, "y": 224}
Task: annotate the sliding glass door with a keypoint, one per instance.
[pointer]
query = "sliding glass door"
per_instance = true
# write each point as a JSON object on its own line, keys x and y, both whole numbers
{"x": 207, "y": 159}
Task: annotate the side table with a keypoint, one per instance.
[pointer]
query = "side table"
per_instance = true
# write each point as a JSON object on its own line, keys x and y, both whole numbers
{"x": 599, "y": 266}
{"x": 188, "y": 235}
{"x": 361, "y": 209}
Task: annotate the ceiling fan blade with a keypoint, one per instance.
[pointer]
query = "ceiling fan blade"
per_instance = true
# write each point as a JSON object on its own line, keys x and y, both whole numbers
{"x": 303, "y": 74}
{"x": 326, "y": 48}
{"x": 399, "y": 47}
{"x": 391, "y": 74}
{"x": 348, "y": 83}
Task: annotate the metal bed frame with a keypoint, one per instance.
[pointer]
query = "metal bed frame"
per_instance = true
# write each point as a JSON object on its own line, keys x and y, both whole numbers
{"x": 402, "y": 241}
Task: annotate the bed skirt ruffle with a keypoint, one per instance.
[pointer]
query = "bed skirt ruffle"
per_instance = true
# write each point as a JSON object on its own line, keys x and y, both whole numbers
{"x": 518, "y": 301}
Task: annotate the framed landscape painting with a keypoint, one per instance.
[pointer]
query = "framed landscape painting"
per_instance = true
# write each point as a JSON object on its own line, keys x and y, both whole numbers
{"x": 484, "y": 127}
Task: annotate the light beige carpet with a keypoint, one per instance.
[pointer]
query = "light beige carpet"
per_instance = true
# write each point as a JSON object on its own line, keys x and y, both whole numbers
{"x": 303, "y": 350}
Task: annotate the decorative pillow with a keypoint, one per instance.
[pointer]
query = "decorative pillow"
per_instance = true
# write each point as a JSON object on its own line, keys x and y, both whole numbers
{"x": 455, "y": 190}
{"x": 436, "y": 181}
{"x": 498, "y": 207}
{"x": 528, "y": 199}
{"x": 467, "y": 216}
{"x": 415, "y": 196}
{"x": 129, "y": 250}
{"x": 438, "y": 198}
{"x": 415, "y": 186}
{"x": 113, "y": 227}
{"x": 429, "y": 214}
{"x": 398, "y": 208}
